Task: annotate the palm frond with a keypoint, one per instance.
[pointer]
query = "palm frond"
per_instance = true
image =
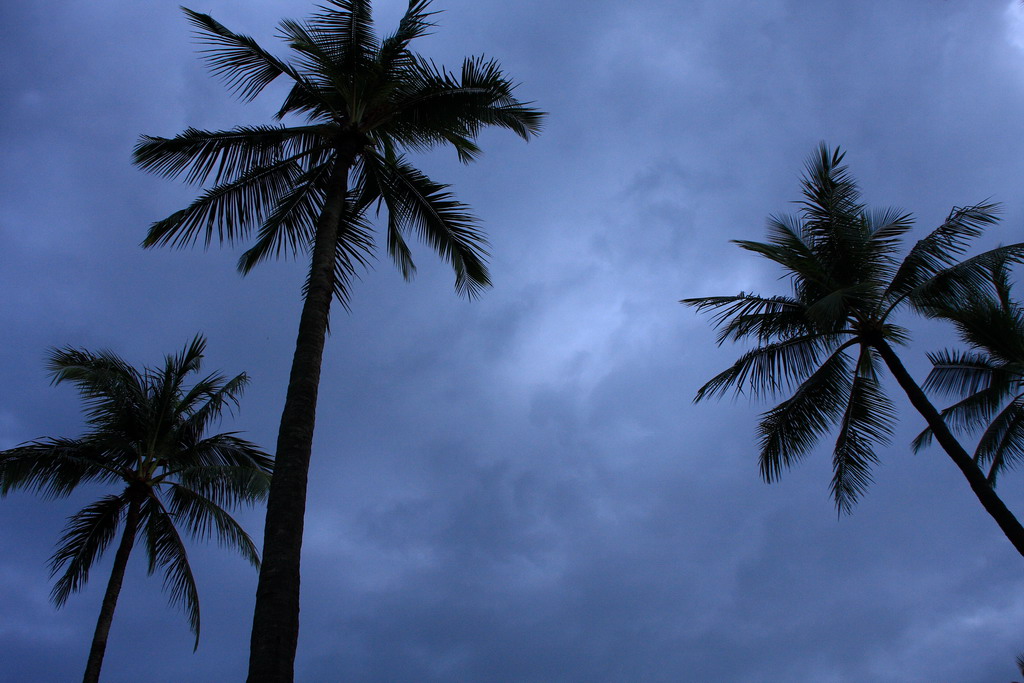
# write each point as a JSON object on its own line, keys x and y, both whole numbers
{"x": 415, "y": 23}
{"x": 208, "y": 398}
{"x": 244, "y": 66}
{"x": 314, "y": 56}
{"x": 988, "y": 320}
{"x": 834, "y": 309}
{"x": 772, "y": 368}
{"x": 315, "y": 101}
{"x": 86, "y": 536}
{"x": 229, "y": 210}
{"x": 831, "y": 196}
{"x": 786, "y": 246}
{"x": 54, "y": 467}
{"x": 960, "y": 373}
{"x": 435, "y": 107}
{"x": 228, "y": 484}
{"x": 965, "y": 279}
{"x": 204, "y": 518}
{"x": 290, "y": 229}
{"x": 443, "y": 223}
{"x": 941, "y": 249}
{"x": 343, "y": 31}
{"x": 168, "y": 384}
{"x": 166, "y": 550}
{"x": 744, "y": 315}
{"x": 867, "y": 423}
{"x": 225, "y": 155}
{"x": 352, "y": 254}
{"x": 788, "y": 431}
{"x": 1002, "y": 443}
{"x": 886, "y": 229}
{"x": 108, "y": 385}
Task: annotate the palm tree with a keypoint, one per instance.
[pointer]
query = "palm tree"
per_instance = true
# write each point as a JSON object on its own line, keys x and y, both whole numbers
{"x": 989, "y": 378}
{"x": 362, "y": 101}
{"x": 825, "y": 342}
{"x": 146, "y": 435}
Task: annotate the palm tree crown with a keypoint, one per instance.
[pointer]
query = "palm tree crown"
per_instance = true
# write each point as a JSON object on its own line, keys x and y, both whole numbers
{"x": 826, "y": 340}
{"x": 361, "y": 103}
{"x": 147, "y": 436}
{"x": 989, "y": 377}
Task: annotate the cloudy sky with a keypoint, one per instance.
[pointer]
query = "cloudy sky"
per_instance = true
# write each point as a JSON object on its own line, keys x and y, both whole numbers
{"x": 519, "y": 488}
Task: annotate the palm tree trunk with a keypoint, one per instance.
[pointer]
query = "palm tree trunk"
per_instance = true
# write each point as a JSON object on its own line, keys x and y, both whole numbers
{"x": 99, "y": 638}
{"x": 992, "y": 503}
{"x": 275, "y": 628}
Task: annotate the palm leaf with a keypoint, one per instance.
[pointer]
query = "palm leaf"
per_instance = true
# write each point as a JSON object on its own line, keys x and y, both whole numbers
{"x": 228, "y": 484}
{"x": 831, "y": 200}
{"x": 435, "y": 107}
{"x": 86, "y": 536}
{"x": 772, "y": 368}
{"x": 417, "y": 202}
{"x": 942, "y": 248}
{"x": 245, "y": 67}
{"x": 290, "y": 229}
{"x": 343, "y": 31}
{"x": 228, "y": 210}
{"x": 204, "y": 518}
{"x": 225, "y": 155}
{"x": 394, "y": 54}
{"x": 959, "y": 373}
{"x": 788, "y": 431}
{"x": 1002, "y": 443}
{"x": 54, "y": 467}
{"x": 866, "y": 423}
{"x": 166, "y": 550}
{"x": 766, "y": 318}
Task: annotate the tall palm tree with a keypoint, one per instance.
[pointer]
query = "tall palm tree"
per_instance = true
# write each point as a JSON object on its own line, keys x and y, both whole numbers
{"x": 360, "y": 102}
{"x": 988, "y": 378}
{"x": 826, "y": 340}
{"x": 146, "y": 436}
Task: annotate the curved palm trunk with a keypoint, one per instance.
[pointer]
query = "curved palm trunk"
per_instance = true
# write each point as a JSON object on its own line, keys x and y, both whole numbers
{"x": 99, "y": 638}
{"x": 275, "y": 628}
{"x": 992, "y": 503}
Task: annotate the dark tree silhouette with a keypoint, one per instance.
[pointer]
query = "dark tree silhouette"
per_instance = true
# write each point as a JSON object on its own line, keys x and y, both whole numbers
{"x": 307, "y": 189}
{"x": 826, "y": 341}
{"x": 146, "y": 436}
{"x": 989, "y": 377}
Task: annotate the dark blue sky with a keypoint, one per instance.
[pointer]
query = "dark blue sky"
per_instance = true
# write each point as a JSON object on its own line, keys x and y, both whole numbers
{"x": 519, "y": 488}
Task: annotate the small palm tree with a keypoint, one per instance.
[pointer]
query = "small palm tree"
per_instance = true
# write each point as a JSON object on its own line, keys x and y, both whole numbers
{"x": 147, "y": 437}
{"x": 306, "y": 189}
{"x": 826, "y": 341}
{"x": 988, "y": 378}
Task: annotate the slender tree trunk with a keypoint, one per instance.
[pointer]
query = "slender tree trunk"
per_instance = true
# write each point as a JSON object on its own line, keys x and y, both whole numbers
{"x": 992, "y": 503}
{"x": 99, "y": 638}
{"x": 275, "y": 628}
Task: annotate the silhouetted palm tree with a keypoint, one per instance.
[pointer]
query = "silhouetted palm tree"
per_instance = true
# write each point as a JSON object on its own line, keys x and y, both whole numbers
{"x": 147, "y": 436}
{"x": 827, "y": 339}
{"x": 988, "y": 378}
{"x": 307, "y": 188}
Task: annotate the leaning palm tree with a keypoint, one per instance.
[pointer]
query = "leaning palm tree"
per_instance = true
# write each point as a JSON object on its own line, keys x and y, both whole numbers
{"x": 147, "y": 436}
{"x": 826, "y": 341}
{"x": 357, "y": 103}
{"x": 989, "y": 377}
